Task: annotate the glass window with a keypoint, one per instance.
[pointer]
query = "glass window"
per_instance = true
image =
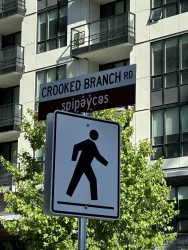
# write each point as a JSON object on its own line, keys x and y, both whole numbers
{"x": 172, "y": 193}
{"x": 61, "y": 72}
{"x": 41, "y": 27}
{"x": 52, "y": 23}
{"x": 40, "y": 80}
{"x": 183, "y": 201}
{"x": 52, "y": 29}
{"x": 171, "y": 51}
{"x": 39, "y": 155}
{"x": 172, "y": 125}
{"x": 157, "y": 3}
{"x": 16, "y": 93}
{"x": 171, "y": 80}
{"x": 157, "y": 127}
{"x": 172, "y": 151}
{"x": 184, "y": 122}
{"x": 184, "y": 77}
{"x": 171, "y": 10}
{"x": 51, "y": 75}
{"x": 184, "y": 51}
{"x": 157, "y": 56}
{"x": 63, "y": 20}
{"x": 184, "y": 6}
{"x": 14, "y": 149}
{"x": 157, "y": 82}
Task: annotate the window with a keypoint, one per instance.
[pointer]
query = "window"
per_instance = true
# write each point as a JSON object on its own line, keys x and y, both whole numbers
{"x": 112, "y": 65}
{"x": 52, "y": 29}
{"x": 181, "y": 221}
{"x": 50, "y": 75}
{"x": 170, "y": 132}
{"x": 8, "y": 150}
{"x": 167, "y": 8}
{"x": 169, "y": 62}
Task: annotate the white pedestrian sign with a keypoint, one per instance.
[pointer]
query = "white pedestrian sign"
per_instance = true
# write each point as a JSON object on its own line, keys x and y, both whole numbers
{"x": 85, "y": 172}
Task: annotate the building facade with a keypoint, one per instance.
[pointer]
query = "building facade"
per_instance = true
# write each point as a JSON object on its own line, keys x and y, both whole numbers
{"x": 48, "y": 40}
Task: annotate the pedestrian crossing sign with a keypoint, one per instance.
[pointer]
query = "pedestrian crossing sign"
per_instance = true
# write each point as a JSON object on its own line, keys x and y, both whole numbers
{"x": 82, "y": 167}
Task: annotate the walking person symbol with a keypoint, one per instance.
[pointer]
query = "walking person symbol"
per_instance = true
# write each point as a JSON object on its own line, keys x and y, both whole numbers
{"x": 89, "y": 151}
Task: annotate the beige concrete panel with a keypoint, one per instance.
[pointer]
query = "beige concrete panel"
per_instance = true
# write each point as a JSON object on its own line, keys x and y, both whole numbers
{"x": 142, "y": 5}
{"x": 53, "y": 57}
{"x": 29, "y": 30}
{"x": 142, "y": 125}
{"x": 27, "y": 88}
{"x": 183, "y": 161}
{"x": 143, "y": 93}
{"x": 142, "y": 27}
{"x": 93, "y": 67}
{"x": 170, "y": 25}
{"x": 24, "y": 144}
{"x": 142, "y": 52}
{"x": 182, "y": 21}
{"x": 171, "y": 163}
{"x": 133, "y": 6}
{"x": 31, "y": 7}
{"x": 156, "y": 29}
{"x": 133, "y": 56}
{"x": 29, "y": 57}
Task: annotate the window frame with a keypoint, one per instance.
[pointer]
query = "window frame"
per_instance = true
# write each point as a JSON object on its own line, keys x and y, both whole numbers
{"x": 181, "y": 140}
{"x": 58, "y": 36}
{"x": 164, "y": 6}
{"x": 125, "y": 61}
{"x": 179, "y": 71}
{"x": 178, "y": 218}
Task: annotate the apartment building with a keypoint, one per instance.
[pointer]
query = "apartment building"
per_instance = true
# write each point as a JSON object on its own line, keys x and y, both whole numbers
{"x": 48, "y": 40}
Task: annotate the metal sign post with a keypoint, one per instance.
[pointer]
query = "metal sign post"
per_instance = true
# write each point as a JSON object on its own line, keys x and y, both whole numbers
{"x": 82, "y": 233}
{"x": 82, "y": 223}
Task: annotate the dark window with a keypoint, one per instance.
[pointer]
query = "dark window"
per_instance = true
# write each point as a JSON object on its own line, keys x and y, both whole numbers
{"x": 180, "y": 223}
{"x": 114, "y": 8}
{"x": 169, "y": 62}
{"x": 114, "y": 65}
{"x": 8, "y": 150}
{"x": 52, "y": 29}
{"x": 167, "y": 8}
{"x": 9, "y": 95}
{"x": 170, "y": 132}
{"x": 11, "y": 40}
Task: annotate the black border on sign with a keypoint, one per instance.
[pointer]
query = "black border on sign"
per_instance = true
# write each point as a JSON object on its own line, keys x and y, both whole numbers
{"x": 53, "y": 168}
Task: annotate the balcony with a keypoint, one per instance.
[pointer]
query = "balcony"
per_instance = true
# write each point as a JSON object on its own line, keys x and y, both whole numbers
{"x": 11, "y": 66}
{"x": 12, "y": 13}
{"x": 10, "y": 118}
{"x": 104, "y": 40}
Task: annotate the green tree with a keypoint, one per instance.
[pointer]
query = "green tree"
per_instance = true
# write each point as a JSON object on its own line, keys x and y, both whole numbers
{"x": 145, "y": 210}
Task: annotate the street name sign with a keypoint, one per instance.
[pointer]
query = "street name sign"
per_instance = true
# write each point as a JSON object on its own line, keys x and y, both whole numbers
{"x": 101, "y": 90}
{"x": 82, "y": 167}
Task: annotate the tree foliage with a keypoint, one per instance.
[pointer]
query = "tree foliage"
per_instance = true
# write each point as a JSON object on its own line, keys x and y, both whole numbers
{"x": 145, "y": 210}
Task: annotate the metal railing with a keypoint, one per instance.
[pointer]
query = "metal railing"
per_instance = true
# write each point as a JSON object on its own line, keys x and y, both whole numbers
{"x": 104, "y": 31}
{"x": 12, "y": 7}
{"x": 10, "y": 117}
{"x": 12, "y": 59}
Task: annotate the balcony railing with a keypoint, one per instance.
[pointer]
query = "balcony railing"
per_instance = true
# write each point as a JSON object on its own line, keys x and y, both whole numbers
{"x": 103, "y": 33}
{"x": 10, "y": 117}
{"x": 12, "y": 59}
{"x": 12, "y": 7}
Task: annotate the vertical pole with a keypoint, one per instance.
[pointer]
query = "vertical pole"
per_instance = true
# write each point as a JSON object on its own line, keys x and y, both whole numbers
{"x": 82, "y": 233}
